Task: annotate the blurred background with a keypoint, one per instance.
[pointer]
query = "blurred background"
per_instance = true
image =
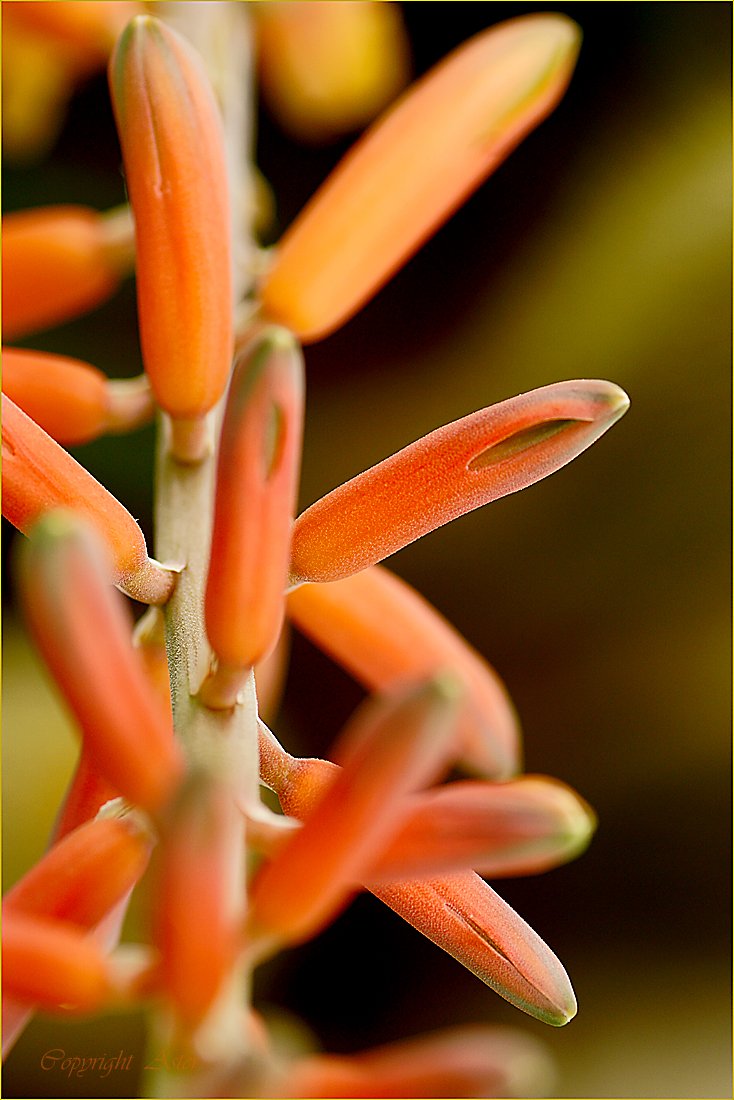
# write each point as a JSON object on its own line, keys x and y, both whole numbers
{"x": 601, "y": 248}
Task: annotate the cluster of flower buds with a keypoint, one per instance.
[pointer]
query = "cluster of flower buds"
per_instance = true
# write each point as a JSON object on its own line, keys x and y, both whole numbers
{"x": 231, "y": 881}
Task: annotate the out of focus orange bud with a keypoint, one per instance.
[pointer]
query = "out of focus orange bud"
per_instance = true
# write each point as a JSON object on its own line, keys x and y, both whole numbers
{"x": 58, "y": 262}
{"x": 326, "y": 68}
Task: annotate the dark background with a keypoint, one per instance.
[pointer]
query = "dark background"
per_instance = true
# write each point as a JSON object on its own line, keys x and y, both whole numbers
{"x": 600, "y": 249}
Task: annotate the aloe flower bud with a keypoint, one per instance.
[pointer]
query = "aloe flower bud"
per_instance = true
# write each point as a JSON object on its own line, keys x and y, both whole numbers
{"x": 195, "y": 916}
{"x": 39, "y": 476}
{"x": 460, "y": 1061}
{"x": 257, "y": 477}
{"x": 327, "y": 69}
{"x": 82, "y": 877}
{"x": 86, "y": 794}
{"x": 53, "y": 965}
{"x": 464, "y": 916}
{"x": 72, "y": 400}
{"x": 382, "y": 631}
{"x": 58, "y": 262}
{"x": 393, "y": 745}
{"x": 414, "y": 167}
{"x": 83, "y": 632}
{"x": 521, "y": 827}
{"x": 453, "y": 470}
{"x": 171, "y": 136}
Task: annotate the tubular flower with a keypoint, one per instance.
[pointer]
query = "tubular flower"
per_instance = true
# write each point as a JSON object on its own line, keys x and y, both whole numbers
{"x": 414, "y": 167}
{"x": 455, "y": 469}
{"x": 39, "y": 477}
{"x": 172, "y": 144}
{"x": 58, "y": 262}
{"x": 257, "y": 477}
{"x": 53, "y": 965}
{"x": 461, "y": 1061}
{"x": 87, "y": 793}
{"x": 515, "y": 828}
{"x": 84, "y": 636}
{"x": 464, "y": 916}
{"x": 327, "y": 69}
{"x": 84, "y": 875}
{"x": 392, "y": 746}
{"x": 71, "y": 400}
{"x": 195, "y": 919}
{"x": 382, "y": 631}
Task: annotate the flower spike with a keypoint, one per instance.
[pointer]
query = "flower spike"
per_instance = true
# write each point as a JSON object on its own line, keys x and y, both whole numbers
{"x": 257, "y": 477}
{"x": 71, "y": 400}
{"x": 390, "y": 747}
{"x": 83, "y": 633}
{"x": 453, "y": 470}
{"x": 382, "y": 631}
{"x": 171, "y": 136}
{"x": 82, "y": 877}
{"x": 39, "y": 476}
{"x": 414, "y": 167}
{"x": 464, "y": 916}
{"x": 59, "y": 262}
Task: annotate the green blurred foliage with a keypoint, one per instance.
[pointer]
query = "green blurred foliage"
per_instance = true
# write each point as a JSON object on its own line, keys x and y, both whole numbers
{"x": 601, "y": 249}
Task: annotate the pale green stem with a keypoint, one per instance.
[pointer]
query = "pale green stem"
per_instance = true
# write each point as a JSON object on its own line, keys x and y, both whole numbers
{"x": 224, "y": 742}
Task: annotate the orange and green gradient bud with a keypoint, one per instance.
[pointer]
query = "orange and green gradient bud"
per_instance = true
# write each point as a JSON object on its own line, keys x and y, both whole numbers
{"x": 83, "y": 632}
{"x": 196, "y": 917}
{"x": 382, "y": 631}
{"x": 58, "y": 263}
{"x": 257, "y": 480}
{"x": 39, "y": 476}
{"x": 461, "y": 466}
{"x": 392, "y": 746}
{"x": 72, "y": 400}
{"x": 171, "y": 135}
{"x": 464, "y": 916}
{"x": 414, "y": 167}
{"x": 327, "y": 69}
{"x": 82, "y": 877}
{"x": 54, "y": 965}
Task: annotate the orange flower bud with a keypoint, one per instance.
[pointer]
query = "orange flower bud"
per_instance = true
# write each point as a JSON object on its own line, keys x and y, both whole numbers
{"x": 39, "y": 476}
{"x": 514, "y": 828}
{"x": 414, "y": 167}
{"x": 382, "y": 631}
{"x": 329, "y": 68}
{"x": 194, "y": 919}
{"x": 453, "y": 470}
{"x": 172, "y": 143}
{"x": 53, "y": 965}
{"x": 71, "y": 400}
{"x": 393, "y": 745}
{"x": 257, "y": 477}
{"x": 83, "y": 632}
{"x": 518, "y": 828}
{"x": 464, "y": 916}
{"x": 461, "y": 1061}
{"x": 86, "y": 794}
{"x": 58, "y": 262}
{"x": 83, "y": 876}
{"x": 87, "y": 27}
